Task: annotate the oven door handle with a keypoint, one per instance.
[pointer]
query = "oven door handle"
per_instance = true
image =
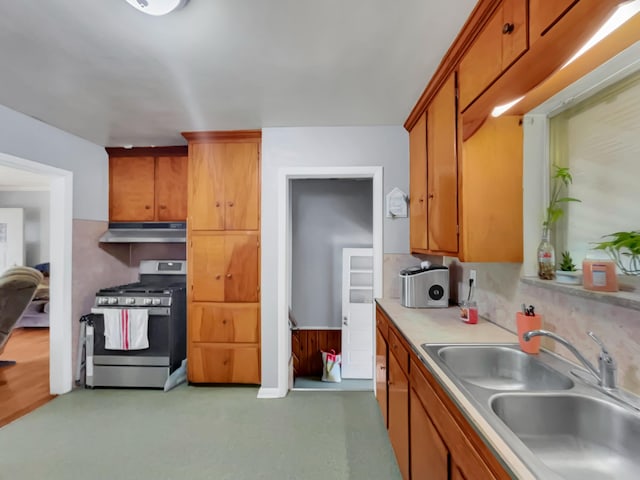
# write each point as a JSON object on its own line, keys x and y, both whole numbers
{"x": 153, "y": 311}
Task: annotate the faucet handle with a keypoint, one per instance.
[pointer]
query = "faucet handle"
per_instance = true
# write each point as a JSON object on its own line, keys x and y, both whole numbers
{"x": 600, "y": 343}
{"x": 606, "y": 363}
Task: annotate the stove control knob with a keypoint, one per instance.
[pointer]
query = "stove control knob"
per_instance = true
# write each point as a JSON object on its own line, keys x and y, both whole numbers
{"x": 112, "y": 300}
{"x": 146, "y": 301}
{"x": 130, "y": 301}
{"x": 156, "y": 301}
{"x": 102, "y": 300}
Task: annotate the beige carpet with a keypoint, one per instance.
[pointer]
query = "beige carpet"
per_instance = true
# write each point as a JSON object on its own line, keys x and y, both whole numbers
{"x": 193, "y": 433}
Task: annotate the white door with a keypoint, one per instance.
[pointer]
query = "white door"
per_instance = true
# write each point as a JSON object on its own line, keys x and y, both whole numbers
{"x": 11, "y": 238}
{"x": 357, "y": 313}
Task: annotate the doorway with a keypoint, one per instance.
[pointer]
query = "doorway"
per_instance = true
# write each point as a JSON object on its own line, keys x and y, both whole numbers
{"x": 290, "y": 179}
{"x": 59, "y": 183}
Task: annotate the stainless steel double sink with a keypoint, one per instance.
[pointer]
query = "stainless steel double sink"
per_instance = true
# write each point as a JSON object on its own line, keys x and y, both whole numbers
{"x": 559, "y": 425}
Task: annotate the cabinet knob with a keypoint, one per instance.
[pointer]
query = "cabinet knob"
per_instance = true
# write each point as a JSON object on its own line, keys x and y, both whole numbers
{"x": 217, "y": 277}
{"x": 147, "y": 207}
{"x": 217, "y": 204}
{"x": 507, "y": 28}
{"x": 231, "y": 204}
{"x": 421, "y": 200}
{"x": 224, "y": 322}
{"x": 228, "y": 275}
{"x": 431, "y": 195}
{"x": 163, "y": 207}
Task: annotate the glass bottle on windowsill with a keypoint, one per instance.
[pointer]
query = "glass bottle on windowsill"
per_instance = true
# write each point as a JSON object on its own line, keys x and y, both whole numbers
{"x": 546, "y": 257}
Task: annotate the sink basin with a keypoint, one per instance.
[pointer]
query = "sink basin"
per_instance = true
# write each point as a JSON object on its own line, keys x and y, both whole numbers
{"x": 501, "y": 368}
{"x": 576, "y": 436}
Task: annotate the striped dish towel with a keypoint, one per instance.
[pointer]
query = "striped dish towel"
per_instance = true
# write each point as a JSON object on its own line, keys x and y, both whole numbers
{"x": 126, "y": 329}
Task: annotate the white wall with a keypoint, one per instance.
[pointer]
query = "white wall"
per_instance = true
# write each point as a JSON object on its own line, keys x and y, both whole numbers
{"x": 36, "y": 222}
{"x": 386, "y": 146}
{"x": 31, "y": 139}
{"x": 327, "y": 216}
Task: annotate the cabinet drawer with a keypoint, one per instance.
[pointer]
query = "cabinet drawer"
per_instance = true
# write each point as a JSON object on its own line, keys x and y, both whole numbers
{"x": 399, "y": 351}
{"x": 223, "y": 363}
{"x": 224, "y": 323}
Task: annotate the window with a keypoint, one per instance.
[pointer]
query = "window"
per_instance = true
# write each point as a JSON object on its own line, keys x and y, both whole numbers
{"x": 599, "y": 140}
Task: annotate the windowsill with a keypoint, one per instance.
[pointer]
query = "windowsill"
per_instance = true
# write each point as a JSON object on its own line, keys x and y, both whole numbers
{"x": 628, "y": 296}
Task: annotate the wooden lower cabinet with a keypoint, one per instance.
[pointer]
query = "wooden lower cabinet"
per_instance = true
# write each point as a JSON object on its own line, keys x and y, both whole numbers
{"x": 398, "y": 392}
{"x": 430, "y": 437}
{"x": 381, "y": 375}
{"x": 429, "y": 454}
{"x": 224, "y": 363}
{"x": 224, "y": 343}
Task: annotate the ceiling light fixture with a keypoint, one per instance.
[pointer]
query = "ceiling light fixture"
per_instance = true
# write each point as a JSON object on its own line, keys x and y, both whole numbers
{"x": 625, "y": 11}
{"x": 157, "y": 7}
{"x": 500, "y": 109}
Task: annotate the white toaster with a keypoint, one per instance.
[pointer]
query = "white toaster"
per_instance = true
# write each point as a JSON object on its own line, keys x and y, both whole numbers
{"x": 425, "y": 286}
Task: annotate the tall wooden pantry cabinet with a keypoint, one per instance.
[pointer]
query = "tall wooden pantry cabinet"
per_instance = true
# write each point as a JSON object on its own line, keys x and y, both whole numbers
{"x": 223, "y": 257}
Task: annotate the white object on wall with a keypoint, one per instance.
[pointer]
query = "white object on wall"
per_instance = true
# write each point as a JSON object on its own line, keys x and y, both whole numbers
{"x": 396, "y": 203}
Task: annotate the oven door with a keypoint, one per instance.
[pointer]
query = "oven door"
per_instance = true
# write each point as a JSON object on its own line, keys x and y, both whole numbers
{"x": 159, "y": 342}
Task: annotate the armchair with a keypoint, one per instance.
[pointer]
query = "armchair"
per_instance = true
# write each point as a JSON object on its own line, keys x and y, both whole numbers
{"x": 17, "y": 287}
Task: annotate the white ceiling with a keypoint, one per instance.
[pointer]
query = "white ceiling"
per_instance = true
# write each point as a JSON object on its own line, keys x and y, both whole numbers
{"x": 112, "y": 75}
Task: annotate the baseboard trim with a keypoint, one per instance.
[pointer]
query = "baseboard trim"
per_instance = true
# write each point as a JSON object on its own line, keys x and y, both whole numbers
{"x": 271, "y": 393}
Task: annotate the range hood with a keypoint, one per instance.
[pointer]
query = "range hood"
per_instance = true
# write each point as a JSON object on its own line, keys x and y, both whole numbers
{"x": 145, "y": 232}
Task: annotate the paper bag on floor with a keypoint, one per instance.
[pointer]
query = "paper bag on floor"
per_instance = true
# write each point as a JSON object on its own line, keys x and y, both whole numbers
{"x": 331, "y": 366}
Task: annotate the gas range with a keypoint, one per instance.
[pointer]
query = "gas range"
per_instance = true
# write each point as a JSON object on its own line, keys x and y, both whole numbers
{"x": 161, "y": 291}
{"x": 159, "y": 282}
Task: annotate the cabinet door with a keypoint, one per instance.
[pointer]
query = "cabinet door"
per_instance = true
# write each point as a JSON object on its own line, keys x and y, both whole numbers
{"x": 224, "y": 323}
{"x": 456, "y": 474}
{"x": 206, "y": 262}
{"x": 442, "y": 170}
{"x": 544, "y": 14}
{"x": 399, "y": 414}
{"x": 241, "y": 181}
{"x": 171, "y": 189}
{"x": 502, "y": 40}
{"x": 418, "y": 185}
{"x": 381, "y": 375}
{"x": 429, "y": 454}
{"x": 224, "y": 363}
{"x": 131, "y": 189}
{"x": 206, "y": 186}
{"x": 241, "y": 282}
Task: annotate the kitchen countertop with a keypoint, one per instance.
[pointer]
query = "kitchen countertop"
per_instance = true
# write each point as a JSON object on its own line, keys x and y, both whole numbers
{"x": 442, "y": 325}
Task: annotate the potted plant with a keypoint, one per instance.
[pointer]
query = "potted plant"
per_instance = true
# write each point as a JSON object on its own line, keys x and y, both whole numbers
{"x": 560, "y": 181}
{"x": 568, "y": 273}
{"x": 624, "y": 250}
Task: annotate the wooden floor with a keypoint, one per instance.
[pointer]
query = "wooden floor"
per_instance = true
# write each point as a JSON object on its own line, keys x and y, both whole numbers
{"x": 25, "y": 385}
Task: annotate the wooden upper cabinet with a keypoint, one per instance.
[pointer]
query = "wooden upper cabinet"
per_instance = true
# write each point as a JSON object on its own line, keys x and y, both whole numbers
{"x": 171, "y": 188}
{"x": 544, "y": 14}
{"x": 224, "y": 186}
{"x": 147, "y": 187}
{"x": 442, "y": 170}
{"x": 224, "y": 267}
{"x": 131, "y": 189}
{"x": 418, "y": 185}
{"x": 502, "y": 40}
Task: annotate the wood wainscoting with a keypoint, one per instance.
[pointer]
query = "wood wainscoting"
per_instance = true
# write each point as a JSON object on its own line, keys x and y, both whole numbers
{"x": 306, "y": 346}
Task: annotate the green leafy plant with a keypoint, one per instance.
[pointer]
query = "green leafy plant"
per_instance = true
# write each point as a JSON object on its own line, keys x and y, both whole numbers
{"x": 624, "y": 249}
{"x": 561, "y": 179}
{"x": 567, "y": 264}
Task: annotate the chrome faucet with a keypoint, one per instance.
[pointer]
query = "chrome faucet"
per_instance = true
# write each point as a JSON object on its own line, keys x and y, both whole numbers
{"x": 605, "y": 374}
